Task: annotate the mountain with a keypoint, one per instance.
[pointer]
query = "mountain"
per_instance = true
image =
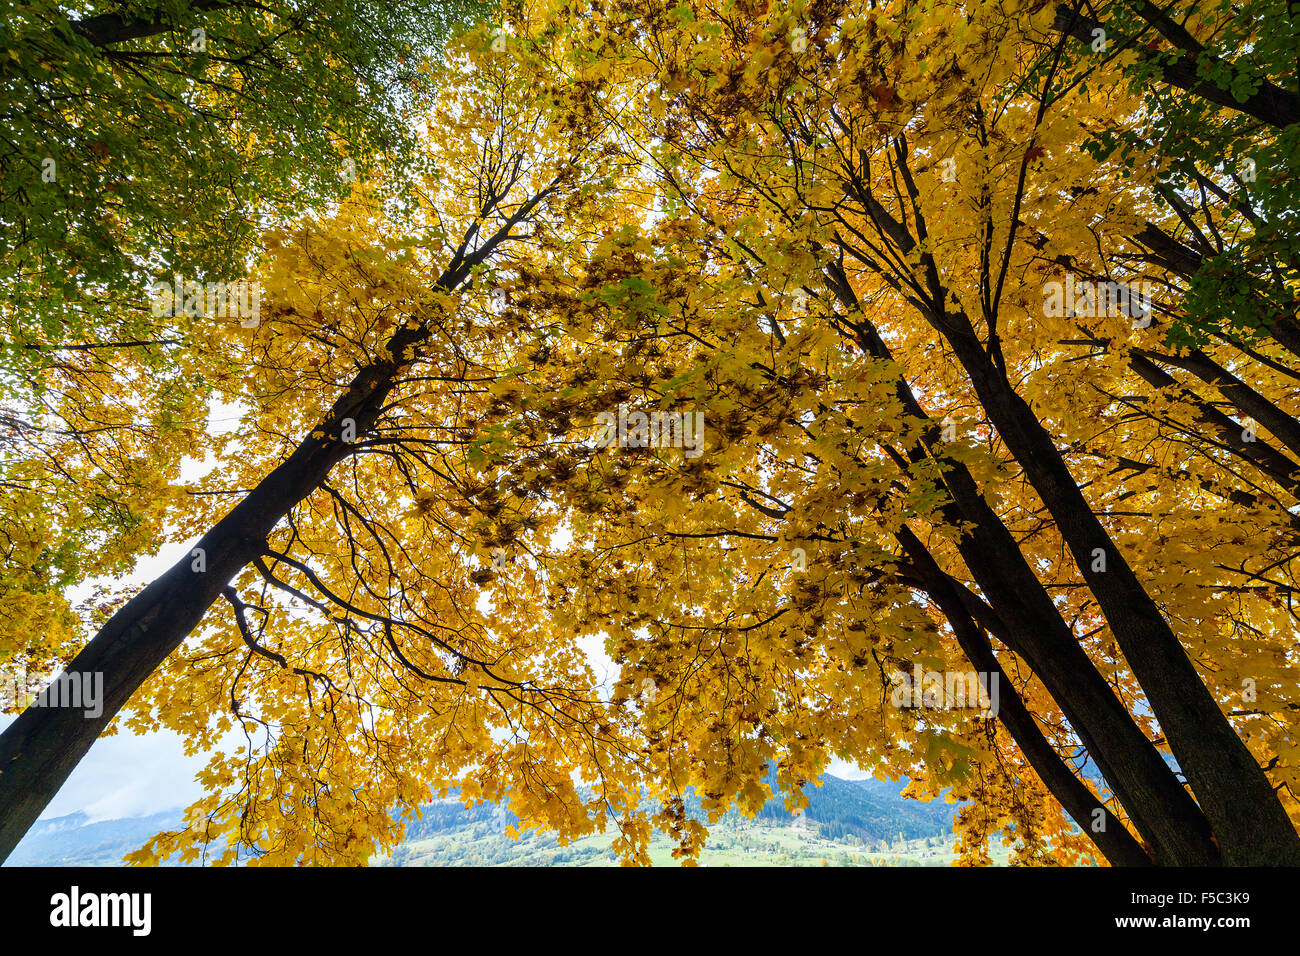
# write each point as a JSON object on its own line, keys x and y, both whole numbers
{"x": 846, "y": 823}
{"x": 870, "y": 810}
{"x": 863, "y": 821}
{"x": 76, "y": 841}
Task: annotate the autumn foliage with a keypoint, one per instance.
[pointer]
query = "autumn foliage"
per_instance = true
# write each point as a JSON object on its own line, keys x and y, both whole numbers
{"x": 992, "y": 324}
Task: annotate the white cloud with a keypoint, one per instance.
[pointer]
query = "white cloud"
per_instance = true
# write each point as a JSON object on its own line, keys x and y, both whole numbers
{"x": 846, "y": 771}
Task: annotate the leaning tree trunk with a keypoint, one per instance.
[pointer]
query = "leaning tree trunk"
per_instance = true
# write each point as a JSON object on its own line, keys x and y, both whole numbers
{"x": 1105, "y": 830}
{"x": 1160, "y": 807}
{"x": 1248, "y": 820}
{"x": 1266, "y": 101}
{"x": 43, "y": 746}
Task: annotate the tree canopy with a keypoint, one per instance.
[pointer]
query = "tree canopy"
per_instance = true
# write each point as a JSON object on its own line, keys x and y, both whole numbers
{"x": 145, "y": 139}
{"x": 987, "y": 312}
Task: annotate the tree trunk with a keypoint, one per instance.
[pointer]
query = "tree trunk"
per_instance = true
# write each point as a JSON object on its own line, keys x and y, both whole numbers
{"x": 1249, "y": 402}
{"x": 1248, "y": 820}
{"x": 41, "y": 748}
{"x": 1108, "y": 834}
{"x": 1161, "y": 809}
{"x": 1268, "y": 102}
{"x": 1258, "y": 452}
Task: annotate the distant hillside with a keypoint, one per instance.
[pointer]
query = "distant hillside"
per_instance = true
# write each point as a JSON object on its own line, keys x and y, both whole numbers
{"x": 847, "y": 823}
{"x": 844, "y": 818}
{"x": 74, "y": 841}
{"x": 870, "y": 810}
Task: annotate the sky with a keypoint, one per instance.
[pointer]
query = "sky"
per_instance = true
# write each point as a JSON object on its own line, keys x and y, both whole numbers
{"x": 128, "y": 775}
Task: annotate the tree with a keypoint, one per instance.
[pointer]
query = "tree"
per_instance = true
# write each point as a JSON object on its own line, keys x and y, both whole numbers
{"x": 387, "y": 337}
{"x": 844, "y": 237}
{"x": 155, "y": 140}
{"x": 1217, "y": 80}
